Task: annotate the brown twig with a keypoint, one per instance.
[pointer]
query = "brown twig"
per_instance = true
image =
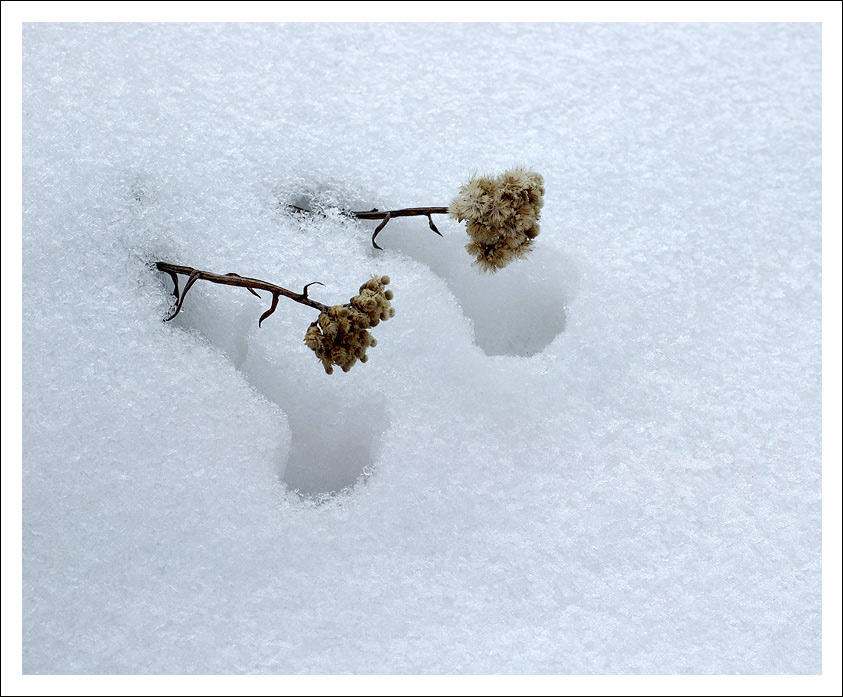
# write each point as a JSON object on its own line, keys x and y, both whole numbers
{"x": 232, "y": 279}
{"x": 386, "y": 216}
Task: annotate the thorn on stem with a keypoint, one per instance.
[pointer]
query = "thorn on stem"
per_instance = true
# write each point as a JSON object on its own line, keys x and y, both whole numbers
{"x": 312, "y": 283}
{"x": 266, "y": 314}
{"x": 251, "y": 290}
{"x": 378, "y": 229}
{"x": 175, "y": 278}
{"x": 190, "y": 281}
{"x": 432, "y": 226}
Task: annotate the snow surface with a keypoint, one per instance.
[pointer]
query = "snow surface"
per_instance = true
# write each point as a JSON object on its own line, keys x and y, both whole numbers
{"x": 603, "y": 459}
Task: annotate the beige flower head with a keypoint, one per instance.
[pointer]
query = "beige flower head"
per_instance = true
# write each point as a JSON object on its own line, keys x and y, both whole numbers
{"x": 501, "y": 216}
{"x": 340, "y": 335}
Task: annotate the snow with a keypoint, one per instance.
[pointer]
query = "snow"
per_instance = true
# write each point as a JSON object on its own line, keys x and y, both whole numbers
{"x": 604, "y": 458}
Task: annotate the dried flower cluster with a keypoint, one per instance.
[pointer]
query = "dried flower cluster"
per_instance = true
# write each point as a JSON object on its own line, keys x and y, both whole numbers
{"x": 502, "y": 221}
{"x": 340, "y": 335}
{"x": 501, "y": 216}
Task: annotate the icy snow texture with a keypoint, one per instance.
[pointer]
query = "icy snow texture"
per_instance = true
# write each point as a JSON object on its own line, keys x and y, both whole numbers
{"x": 603, "y": 459}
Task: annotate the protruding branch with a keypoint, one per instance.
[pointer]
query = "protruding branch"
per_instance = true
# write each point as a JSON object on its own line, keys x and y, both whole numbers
{"x": 501, "y": 216}
{"x": 233, "y": 279}
{"x": 340, "y": 335}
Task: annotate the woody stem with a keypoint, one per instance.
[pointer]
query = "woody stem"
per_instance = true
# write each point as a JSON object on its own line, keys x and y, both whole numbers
{"x": 375, "y": 214}
{"x": 386, "y": 216}
{"x": 251, "y": 284}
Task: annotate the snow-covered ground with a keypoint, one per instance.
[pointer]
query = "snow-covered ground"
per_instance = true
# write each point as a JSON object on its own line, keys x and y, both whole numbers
{"x": 603, "y": 459}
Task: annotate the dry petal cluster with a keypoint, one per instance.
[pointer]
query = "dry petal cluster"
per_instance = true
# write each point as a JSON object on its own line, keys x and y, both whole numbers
{"x": 501, "y": 216}
{"x": 340, "y": 335}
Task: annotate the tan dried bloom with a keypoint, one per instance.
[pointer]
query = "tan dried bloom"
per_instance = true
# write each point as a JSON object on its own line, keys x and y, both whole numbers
{"x": 340, "y": 335}
{"x": 501, "y": 216}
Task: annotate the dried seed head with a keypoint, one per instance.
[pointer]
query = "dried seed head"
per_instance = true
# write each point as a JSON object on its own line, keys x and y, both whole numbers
{"x": 501, "y": 216}
{"x": 340, "y": 335}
